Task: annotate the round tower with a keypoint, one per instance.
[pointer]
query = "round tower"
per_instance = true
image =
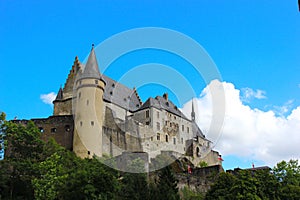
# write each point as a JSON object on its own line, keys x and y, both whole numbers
{"x": 88, "y": 119}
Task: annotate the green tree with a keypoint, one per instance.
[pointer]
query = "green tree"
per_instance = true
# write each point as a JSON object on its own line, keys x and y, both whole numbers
{"x": 245, "y": 186}
{"x": 268, "y": 186}
{"x": 167, "y": 184}
{"x": 288, "y": 175}
{"x": 188, "y": 194}
{"x": 23, "y": 151}
{"x": 221, "y": 189}
{"x": 135, "y": 185}
{"x": 53, "y": 177}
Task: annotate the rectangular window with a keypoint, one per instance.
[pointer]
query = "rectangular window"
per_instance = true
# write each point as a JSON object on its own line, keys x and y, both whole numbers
{"x": 151, "y": 138}
{"x": 188, "y": 129}
{"x": 147, "y": 114}
{"x": 157, "y": 125}
{"x": 92, "y": 123}
{"x": 167, "y": 138}
{"x": 182, "y": 128}
{"x": 157, "y": 115}
{"x": 174, "y": 140}
{"x": 147, "y": 123}
{"x": 181, "y": 140}
{"x": 158, "y": 136}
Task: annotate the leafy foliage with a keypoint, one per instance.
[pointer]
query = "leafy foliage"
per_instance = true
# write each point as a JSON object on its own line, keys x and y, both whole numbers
{"x": 283, "y": 183}
{"x": 167, "y": 184}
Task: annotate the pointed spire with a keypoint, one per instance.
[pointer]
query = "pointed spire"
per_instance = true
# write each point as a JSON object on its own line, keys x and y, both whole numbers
{"x": 91, "y": 69}
{"x": 193, "y": 112}
{"x": 59, "y": 95}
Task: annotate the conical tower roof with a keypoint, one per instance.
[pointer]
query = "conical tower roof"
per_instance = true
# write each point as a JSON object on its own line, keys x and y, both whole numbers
{"x": 91, "y": 69}
{"x": 59, "y": 94}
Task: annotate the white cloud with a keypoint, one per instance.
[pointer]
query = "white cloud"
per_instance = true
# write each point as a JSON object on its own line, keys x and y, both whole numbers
{"x": 48, "y": 98}
{"x": 248, "y": 94}
{"x": 248, "y": 133}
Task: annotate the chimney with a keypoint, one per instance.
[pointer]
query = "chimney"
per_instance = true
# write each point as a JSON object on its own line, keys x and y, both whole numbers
{"x": 165, "y": 96}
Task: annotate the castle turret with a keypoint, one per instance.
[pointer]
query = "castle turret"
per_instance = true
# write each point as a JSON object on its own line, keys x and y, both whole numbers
{"x": 89, "y": 110}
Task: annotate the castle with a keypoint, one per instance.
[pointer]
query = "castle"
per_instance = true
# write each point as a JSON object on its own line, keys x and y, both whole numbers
{"x": 95, "y": 115}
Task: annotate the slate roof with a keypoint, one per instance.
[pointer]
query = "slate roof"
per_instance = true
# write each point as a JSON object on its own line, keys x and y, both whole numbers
{"x": 59, "y": 95}
{"x": 196, "y": 130}
{"x": 163, "y": 104}
{"x": 91, "y": 69}
{"x": 120, "y": 95}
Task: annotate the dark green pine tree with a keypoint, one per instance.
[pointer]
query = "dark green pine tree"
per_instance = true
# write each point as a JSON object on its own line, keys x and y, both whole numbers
{"x": 167, "y": 184}
{"x": 134, "y": 186}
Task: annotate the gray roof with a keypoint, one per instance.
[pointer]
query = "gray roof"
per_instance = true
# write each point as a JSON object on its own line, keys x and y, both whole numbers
{"x": 196, "y": 130}
{"x": 163, "y": 104}
{"x": 91, "y": 69}
{"x": 59, "y": 95}
{"x": 120, "y": 95}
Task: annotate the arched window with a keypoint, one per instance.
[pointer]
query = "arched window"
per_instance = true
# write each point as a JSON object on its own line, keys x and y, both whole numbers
{"x": 158, "y": 136}
{"x": 198, "y": 151}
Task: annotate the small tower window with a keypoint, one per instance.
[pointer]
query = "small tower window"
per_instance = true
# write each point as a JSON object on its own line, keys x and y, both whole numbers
{"x": 188, "y": 129}
{"x": 87, "y": 102}
{"x": 182, "y": 127}
{"x": 92, "y": 123}
{"x": 80, "y": 123}
{"x": 147, "y": 113}
{"x": 111, "y": 93}
{"x": 89, "y": 153}
{"x": 157, "y": 115}
{"x": 181, "y": 140}
{"x": 79, "y": 95}
{"x": 53, "y": 130}
{"x": 167, "y": 138}
{"x": 158, "y": 136}
{"x": 151, "y": 138}
{"x": 174, "y": 140}
{"x": 113, "y": 85}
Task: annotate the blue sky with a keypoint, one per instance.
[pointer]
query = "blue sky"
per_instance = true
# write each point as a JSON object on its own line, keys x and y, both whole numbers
{"x": 255, "y": 45}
